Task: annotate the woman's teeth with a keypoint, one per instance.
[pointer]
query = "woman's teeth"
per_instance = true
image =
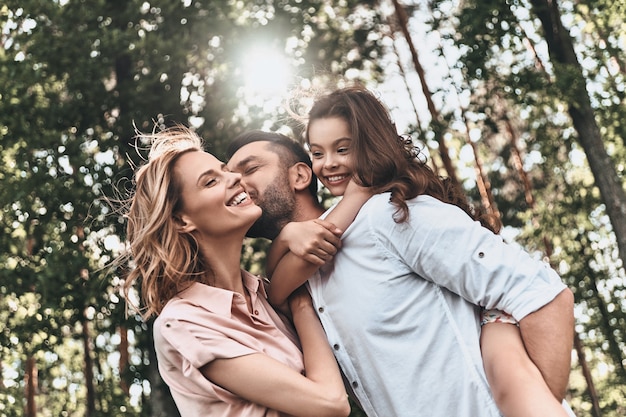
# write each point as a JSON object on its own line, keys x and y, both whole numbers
{"x": 238, "y": 199}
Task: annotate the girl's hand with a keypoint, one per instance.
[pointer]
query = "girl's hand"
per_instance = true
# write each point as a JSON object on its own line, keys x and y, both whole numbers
{"x": 316, "y": 241}
{"x": 355, "y": 190}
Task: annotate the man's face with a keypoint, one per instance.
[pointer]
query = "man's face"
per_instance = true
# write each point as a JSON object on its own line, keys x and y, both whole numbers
{"x": 266, "y": 180}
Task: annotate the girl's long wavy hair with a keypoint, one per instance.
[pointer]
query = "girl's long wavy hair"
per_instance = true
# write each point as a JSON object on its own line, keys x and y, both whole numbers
{"x": 383, "y": 159}
{"x": 164, "y": 260}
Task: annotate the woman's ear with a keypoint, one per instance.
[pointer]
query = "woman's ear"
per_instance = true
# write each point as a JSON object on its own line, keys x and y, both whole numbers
{"x": 183, "y": 224}
{"x": 301, "y": 175}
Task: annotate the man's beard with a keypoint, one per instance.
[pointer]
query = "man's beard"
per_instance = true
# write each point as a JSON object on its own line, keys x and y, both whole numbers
{"x": 278, "y": 205}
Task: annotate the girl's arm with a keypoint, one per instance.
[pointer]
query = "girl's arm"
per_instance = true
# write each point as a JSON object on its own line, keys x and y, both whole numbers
{"x": 291, "y": 270}
{"x": 263, "y": 380}
{"x": 316, "y": 241}
{"x": 517, "y": 385}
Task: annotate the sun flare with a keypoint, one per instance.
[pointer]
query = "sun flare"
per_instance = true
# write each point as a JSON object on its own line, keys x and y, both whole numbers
{"x": 266, "y": 72}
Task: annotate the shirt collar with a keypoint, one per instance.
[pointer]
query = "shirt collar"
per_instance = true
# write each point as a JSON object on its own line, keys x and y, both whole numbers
{"x": 219, "y": 300}
{"x": 255, "y": 284}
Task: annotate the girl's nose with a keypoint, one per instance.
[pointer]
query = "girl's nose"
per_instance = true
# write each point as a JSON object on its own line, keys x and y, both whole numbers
{"x": 330, "y": 162}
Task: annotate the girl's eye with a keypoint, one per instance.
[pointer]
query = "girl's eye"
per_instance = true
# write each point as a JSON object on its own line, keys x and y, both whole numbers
{"x": 344, "y": 149}
{"x": 316, "y": 154}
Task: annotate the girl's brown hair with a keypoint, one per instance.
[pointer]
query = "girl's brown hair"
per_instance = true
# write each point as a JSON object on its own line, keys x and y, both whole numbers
{"x": 385, "y": 160}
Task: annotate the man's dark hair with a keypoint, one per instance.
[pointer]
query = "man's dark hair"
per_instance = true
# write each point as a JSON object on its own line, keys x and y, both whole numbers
{"x": 289, "y": 151}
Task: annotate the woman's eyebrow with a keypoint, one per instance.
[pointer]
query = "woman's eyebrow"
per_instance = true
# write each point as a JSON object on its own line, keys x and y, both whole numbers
{"x": 206, "y": 173}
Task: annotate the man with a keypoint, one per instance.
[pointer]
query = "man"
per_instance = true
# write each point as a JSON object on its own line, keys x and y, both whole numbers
{"x": 265, "y": 170}
{"x": 276, "y": 173}
{"x": 284, "y": 185}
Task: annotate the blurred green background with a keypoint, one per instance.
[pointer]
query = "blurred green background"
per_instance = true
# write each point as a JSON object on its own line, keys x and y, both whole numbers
{"x": 521, "y": 102}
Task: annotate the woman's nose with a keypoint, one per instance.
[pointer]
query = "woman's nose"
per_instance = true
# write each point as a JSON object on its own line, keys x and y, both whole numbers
{"x": 233, "y": 178}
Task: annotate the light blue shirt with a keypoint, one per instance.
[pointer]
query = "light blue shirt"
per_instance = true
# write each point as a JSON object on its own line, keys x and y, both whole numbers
{"x": 400, "y": 306}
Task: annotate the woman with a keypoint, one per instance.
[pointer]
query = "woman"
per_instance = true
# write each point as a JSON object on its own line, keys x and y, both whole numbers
{"x": 220, "y": 346}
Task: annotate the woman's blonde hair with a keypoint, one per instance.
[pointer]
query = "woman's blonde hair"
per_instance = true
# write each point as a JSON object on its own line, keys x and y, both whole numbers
{"x": 164, "y": 260}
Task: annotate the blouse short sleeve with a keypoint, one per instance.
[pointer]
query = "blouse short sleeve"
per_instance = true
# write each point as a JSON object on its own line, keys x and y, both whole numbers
{"x": 198, "y": 344}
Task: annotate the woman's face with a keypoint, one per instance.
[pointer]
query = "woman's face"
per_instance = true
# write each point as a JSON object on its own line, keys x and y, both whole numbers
{"x": 330, "y": 142}
{"x": 214, "y": 203}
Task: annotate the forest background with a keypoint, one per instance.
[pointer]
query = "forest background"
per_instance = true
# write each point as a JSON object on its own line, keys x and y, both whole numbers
{"x": 520, "y": 101}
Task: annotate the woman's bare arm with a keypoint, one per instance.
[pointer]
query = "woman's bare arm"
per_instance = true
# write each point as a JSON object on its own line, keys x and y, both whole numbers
{"x": 266, "y": 381}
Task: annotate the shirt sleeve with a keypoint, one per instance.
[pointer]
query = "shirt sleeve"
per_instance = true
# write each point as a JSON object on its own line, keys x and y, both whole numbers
{"x": 199, "y": 344}
{"x": 442, "y": 244}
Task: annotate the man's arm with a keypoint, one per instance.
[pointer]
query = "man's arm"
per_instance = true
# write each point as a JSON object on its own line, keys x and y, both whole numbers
{"x": 548, "y": 336}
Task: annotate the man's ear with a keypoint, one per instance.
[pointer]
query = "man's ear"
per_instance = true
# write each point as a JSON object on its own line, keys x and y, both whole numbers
{"x": 301, "y": 175}
{"x": 184, "y": 224}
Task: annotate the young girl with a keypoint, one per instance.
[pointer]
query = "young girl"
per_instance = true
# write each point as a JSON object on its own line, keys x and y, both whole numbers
{"x": 352, "y": 139}
{"x": 221, "y": 348}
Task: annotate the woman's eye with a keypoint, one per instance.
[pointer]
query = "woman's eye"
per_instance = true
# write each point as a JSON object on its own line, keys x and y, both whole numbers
{"x": 210, "y": 182}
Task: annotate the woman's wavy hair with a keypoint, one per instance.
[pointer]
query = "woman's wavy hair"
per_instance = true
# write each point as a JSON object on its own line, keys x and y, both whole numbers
{"x": 164, "y": 260}
{"x": 383, "y": 159}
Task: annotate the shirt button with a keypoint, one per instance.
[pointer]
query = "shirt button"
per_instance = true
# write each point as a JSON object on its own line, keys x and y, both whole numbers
{"x": 355, "y": 384}
{"x": 256, "y": 312}
{"x": 481, "y": 254}
{"x": 321, "y": 309}
{"x": 336, "y": 346}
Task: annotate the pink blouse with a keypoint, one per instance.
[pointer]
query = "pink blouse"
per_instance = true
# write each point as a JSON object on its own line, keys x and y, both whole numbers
{"x": 204, "y": 323}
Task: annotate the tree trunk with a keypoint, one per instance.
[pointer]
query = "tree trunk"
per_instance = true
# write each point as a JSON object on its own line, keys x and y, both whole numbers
{"x": 517, "y": 162}
{"x": 582, "y": 361}
{"x": 434, "y": 113}
{"x": 483, "y": 183}
{"x": 123, "y": 364}
{"x": 609, "y": 329}
{"x": 418, "y": 122}
{"x": 528, "y": 190}
{"x": 570, "y": 78}
{"x": 31, "y": 387}
{"x": 89, "y": 379}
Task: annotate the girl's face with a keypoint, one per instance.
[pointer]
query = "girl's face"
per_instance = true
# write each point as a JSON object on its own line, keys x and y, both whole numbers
{"x": 214, "y": 204}
{"x": 330, "y": 142}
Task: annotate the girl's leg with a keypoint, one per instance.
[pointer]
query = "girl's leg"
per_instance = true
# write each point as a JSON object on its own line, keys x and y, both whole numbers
{"x": 516, "y": 383}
